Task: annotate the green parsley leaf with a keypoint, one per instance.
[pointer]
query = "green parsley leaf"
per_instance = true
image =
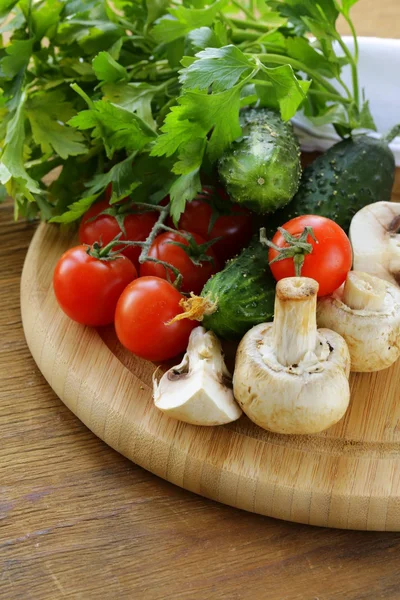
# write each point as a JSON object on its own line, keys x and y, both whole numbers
{"x": 51, "y": 134}
{"x": 191, "y": 158}
{"x": 333, "y": 114}
{"x": 107, "y": 69}
{"x": 92, "y": 35}
{"x": 177, "y": 131}
{"x": 300, "y": 49}
{"x": 175, "y": 51}
{"x": 221, "y": 113}
{"x": 366, "y": 118}
{"x": 76, "y": 210}
{"x": 220, "y": 68}
{"x": 184, "y": 189}
{"x": 346, "y": 6}
{"x": 291, "y": 14}
{"x": 12, "y": 169}
{"x": 118, "y": 128}
{"x": 272, "y": 18}
{"x": 48, "y": 114}
{"x": 45, "y": 18}
{"x": 195, "y": 116}
{"x": 120, "y": 176}
{"x": 290, "y": 91}
{"x": 155, "y": 8}
{"x": 17, "y": 59}
{"x": 154, "y": 176}
{"x": 134, "y": 97}
{"x": 182, "y": 20}
{"x": 204, "y": 37}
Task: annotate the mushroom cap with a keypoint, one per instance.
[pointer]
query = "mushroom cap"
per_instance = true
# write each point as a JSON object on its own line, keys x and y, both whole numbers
{"x": 299, "y": 399}
{"x": 375, "y": 241}
{"x": 373, "y": 337}
{"x": 198, "y": 390}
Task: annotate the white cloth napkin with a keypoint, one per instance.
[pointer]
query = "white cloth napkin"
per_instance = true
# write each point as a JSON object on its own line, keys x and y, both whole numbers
{"x": 379, "y": 68}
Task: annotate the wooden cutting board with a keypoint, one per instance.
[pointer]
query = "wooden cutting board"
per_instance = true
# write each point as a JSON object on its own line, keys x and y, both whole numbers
{"x": 348, "y": 476}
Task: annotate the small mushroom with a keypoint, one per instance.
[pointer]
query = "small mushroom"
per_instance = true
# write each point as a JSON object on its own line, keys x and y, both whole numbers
{"x": 376, "y": 241}
{"x": 366, "y": 312}
{"x": 290, "y": 377}
{"x": 199, "y": 389}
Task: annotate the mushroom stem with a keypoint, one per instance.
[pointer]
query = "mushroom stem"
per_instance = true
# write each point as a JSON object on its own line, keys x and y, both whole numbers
{"x": 295, "y": 324}
{"x": 364, "y": 292}
{"x": 202, "y": 346}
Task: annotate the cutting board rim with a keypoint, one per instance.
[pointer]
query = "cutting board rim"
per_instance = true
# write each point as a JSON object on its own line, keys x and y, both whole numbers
{"x": 247, "y": 468}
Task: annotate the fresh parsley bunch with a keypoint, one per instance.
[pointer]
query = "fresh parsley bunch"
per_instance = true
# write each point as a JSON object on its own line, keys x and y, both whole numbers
{"x": 145, "y": 94}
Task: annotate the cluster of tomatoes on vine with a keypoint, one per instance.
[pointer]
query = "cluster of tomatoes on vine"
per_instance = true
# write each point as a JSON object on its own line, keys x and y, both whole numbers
{"x": 102, "y": 280}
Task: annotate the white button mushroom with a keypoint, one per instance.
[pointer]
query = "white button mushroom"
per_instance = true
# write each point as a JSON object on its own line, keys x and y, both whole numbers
{"x": 290, "y": 377}
{"x": 376, "y": 241}
{"x": 199, "y": 389}
{"x": 366, "y": 312}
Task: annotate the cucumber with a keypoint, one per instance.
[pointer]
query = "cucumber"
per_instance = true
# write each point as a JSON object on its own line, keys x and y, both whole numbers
{"x": 351, "y": 174}
{"x": 244, "y": 292}
{"x": 262, "y": 168}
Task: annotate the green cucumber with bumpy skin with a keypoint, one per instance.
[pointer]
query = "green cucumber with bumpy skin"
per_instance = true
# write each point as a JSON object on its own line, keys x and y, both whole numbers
{"x": 244, "y": 292}
{"x": 262, "y": 168}
{"x": 351, "y": 174}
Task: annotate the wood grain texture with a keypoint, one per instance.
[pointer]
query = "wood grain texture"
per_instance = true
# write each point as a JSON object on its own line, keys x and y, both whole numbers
{"x": 79, "y": 521}
{"x": 348, "y": 476}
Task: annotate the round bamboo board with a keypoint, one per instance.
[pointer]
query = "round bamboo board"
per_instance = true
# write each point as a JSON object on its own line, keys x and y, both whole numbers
{"x": 348, "y": 476}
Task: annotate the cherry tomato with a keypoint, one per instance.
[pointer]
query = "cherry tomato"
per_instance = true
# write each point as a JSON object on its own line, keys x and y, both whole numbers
{"x": 87, "y": 288}
{"x": 143, "y": 310}
{"x": 104, "y": 228}
{"x": 330, "y": 259}
{"x": 194, "y": 276}
{"x": 235, "y": 229}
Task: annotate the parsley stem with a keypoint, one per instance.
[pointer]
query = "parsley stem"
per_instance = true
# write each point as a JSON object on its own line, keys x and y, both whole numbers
{"x": 247, "y": 24}
{"x": 239, "y": 36}
{"x": 345, "y": 87}
{"x": 354, "y": 34}
{"x": 299, "y": 66}
{"x": 243, "y": 8}
{"x": 353, "y": 65}
{"x": 77, "y": 88}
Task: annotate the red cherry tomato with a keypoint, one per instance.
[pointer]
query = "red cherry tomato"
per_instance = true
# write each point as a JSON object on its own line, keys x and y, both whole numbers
{"x": 143, "y": 310}
{"x": 104, "y": 228}
{"x": 330, "y": 259}
{"x": 194, "y": 276}
{"x": 235, "y": 229}
{"x": 87, "y": 288}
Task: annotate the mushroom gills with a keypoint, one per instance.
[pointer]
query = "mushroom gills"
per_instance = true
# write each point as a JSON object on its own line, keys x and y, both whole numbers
{"x": 199, "y": 389}
{"x": 366, "y": 312}
{"x": 290, "y": 377}
{"x": 375, "y": 237}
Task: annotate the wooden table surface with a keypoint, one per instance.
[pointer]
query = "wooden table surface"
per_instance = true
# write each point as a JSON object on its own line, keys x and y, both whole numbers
{"x": 79, "y": 521}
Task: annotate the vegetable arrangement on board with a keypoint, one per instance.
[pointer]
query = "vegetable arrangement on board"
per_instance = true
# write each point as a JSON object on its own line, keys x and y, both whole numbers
{"x": 162, "y": 129}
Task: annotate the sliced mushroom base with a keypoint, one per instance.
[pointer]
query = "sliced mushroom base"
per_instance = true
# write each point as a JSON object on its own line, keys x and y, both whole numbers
{"x": 198, "y": 390}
